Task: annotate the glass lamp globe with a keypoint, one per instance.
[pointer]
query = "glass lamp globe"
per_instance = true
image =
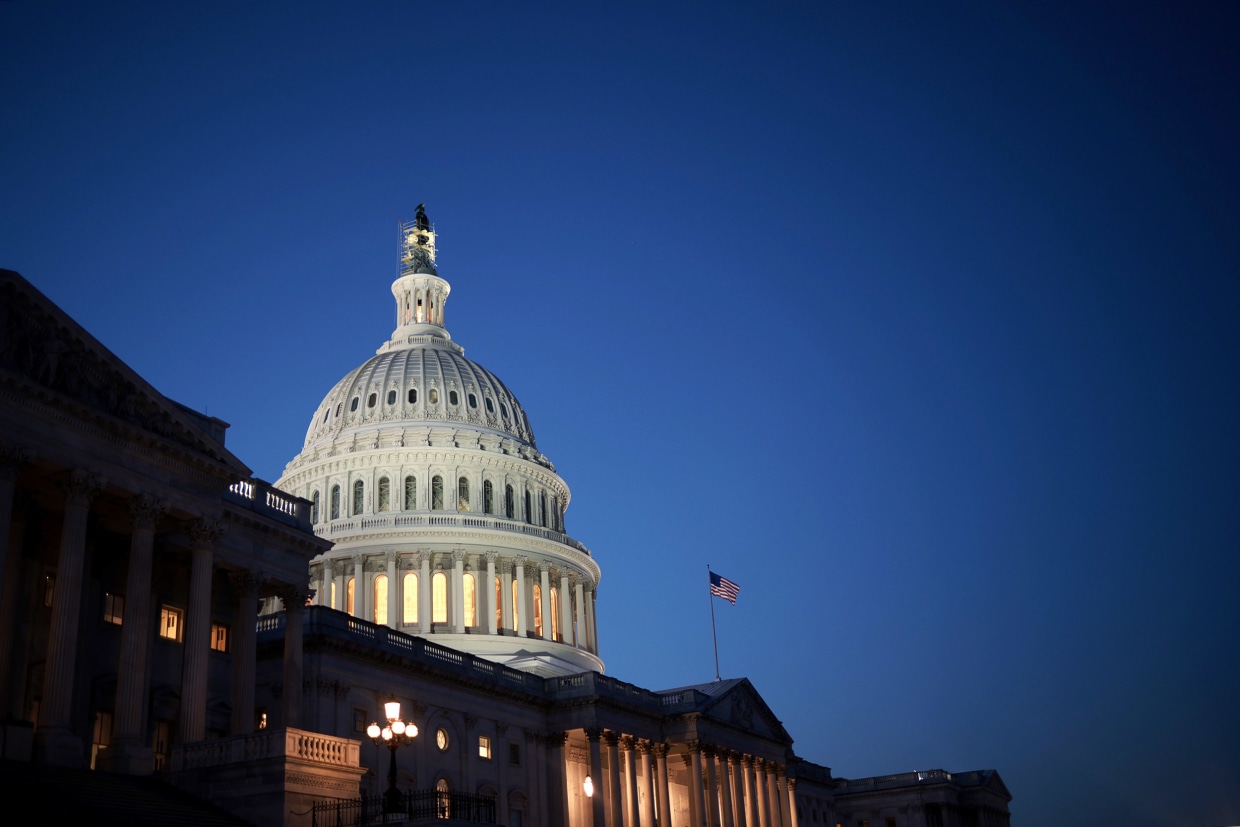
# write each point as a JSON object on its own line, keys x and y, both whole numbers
{"x": 373, "y": 730}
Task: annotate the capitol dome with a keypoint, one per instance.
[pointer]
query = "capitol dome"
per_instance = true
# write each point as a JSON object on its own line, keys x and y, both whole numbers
{"x": 448, "y": 523}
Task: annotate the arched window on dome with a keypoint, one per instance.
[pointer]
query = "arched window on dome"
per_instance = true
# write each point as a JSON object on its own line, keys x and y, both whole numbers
{"x": 555, "y": 613}
{"x": 453, "y": 398}
{"x": 391, "y": 397}
{"x": 488, "y": 497}
{"x": 314, "y": 508}
{"x": 385, "y": 494}
{"x": 462, "y": 494}
{"x": 359, "y": 496}
{"x": 348, "y": 596}
{"x": 538, "y": 618}
{"x": 432, "y": 396}
{"x": 542, "y": 508}
{"x": 335, "y": 502}
{"x": 490, "y": 405}
{"x": 353, "y": 405}
{"x": 471, "y": 599}
{"x": 381, "y": 599}
{"x": 529, "y": 516}
{"x": 371, "y": 400}
{"x": 473, "y": 401}
{"x": 436, "y": 493}
{"x": 410, "y": 586}
{"x": 499, "y": 604}
{"x": 413, "y": 396}
{"x": 439, "y": 597}
{"x": 510, "y": 504}
{"x": 411, "y": 493}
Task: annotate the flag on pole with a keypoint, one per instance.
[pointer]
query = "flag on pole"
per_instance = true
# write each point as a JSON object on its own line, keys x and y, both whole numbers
{"x": 721, "y": 586}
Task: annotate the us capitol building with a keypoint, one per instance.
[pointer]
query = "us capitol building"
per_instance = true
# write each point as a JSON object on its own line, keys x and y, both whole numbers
{"x": 163, "y": 650}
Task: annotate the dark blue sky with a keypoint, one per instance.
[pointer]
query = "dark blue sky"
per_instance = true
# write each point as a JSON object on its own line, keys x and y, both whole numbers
{"x": 922, "y": 323}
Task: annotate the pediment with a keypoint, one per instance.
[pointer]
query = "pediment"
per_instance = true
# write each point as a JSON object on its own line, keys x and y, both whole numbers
{"x": 741, "y": 706}
{"x": 44, "y": 349}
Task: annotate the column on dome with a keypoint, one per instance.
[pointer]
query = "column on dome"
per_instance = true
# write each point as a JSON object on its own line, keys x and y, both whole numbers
{"x": 597, "y": 803}
{"x": 664, "y": 792}
{"x": 489, "y": 590}
{"x": 628, "y": 747}
{"x": 245, "y": 584}
{"x": 591, "y": 629}
{"x": 581, "y": 634}
{"x": 712, "y": 786}
{"x": 544, "y": 576}
{"x": 456, "y": 605}
{"x": 523, "y": 618}
{"x": 204, "y": 533}
{"x": 505, "y": 593}
{"x": 566, "y": 609}
{"x": 647, "y": 806}
{"x": 394, "y": 606}
{"x": 294, "y": 600}
{"x": 424, "y": 593}
{"x": 614, "y": 794}
{"x": 129, "y": 751}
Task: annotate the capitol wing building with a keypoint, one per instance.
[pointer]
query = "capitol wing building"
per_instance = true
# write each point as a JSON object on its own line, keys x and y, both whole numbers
{"x": 182, "y": 635}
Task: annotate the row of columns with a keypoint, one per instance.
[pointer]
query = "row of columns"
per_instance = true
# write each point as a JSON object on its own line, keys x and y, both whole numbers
{"x": 130, "y": 750}
{"x": 576, "y": 610}
{"x": 725, "y": 788}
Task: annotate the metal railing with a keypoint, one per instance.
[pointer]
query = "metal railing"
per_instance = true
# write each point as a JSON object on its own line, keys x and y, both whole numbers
{"x": 411, "y": 804}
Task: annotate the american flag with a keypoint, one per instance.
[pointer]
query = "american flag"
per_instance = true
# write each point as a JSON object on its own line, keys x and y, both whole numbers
{"x": 721, "y": 586}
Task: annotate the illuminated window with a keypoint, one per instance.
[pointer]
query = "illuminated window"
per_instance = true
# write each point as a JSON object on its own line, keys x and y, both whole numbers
{"x": 439, "y": 598}
{"x": 516, "y": 621}
{"x": 391, "y": 397}
{"x": 555, "y": 613}
{"x": 488, "y": 497}
{"x": 113, "y": 608}
{"x": 413, "y": 396}
{"x": 462, "y": 494}
{"x": 385, "y": 494}
{"x": 333, "y": 604}
{"x": 453, "y": 399}
{"x": 484, "y": 747}
{"x": 219, "y": 637}
{"x": 381, "y": 599}
{"x": 359, "y": 496}
{"x": 444, "y": 792}
{"x": 436, "y": 493}
{"x": 432, "y": 396}
{"x": 101, "y": 735}
{"x": 411, "y": 598}
{"x": 499, "y": 607}
{"x": 348, "y": 596}
{"x": 411, "y": 493}
{"x": 538, "y": 618}
{"x": 471, "y": 600}
{"x": 441, "y": 741}
{"x": 260, "y": 718}
{"x": 335, "y": 502}
{"x": 314, "y": 508}
{"x": 510, "y": 504}
{"x": 170, "y": 623}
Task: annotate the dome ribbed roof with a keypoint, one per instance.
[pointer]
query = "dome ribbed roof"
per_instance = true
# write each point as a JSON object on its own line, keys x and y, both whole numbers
{"x": 415, "y": 386}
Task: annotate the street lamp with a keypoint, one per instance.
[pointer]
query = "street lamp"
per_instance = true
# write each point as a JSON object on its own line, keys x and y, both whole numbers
{"x": 396, "y": 733}
{"x": 588, "y": 786}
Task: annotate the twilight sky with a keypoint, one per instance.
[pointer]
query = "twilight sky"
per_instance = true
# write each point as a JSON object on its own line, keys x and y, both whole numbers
{"x": 919, "y": 321}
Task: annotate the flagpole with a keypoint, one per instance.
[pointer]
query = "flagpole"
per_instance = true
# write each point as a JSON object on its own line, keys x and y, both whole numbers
{"x": 713, "y": 638}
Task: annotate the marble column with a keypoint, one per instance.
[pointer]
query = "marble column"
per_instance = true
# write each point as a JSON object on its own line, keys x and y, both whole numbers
{"x": 751, "y": 809}
{"x": 579, "y": 636}
{"x": 129, "y": 751}
{"x": 647, "y": 807}
{"x": 772, "y": 797}
{"x": 664, "y": 791}
{"x": 557, "y": 780}
{"x": 760, "y": 794}
{"x": 12, "y": 459}
{"x": 489, "y": 589}
{"x": 424, "y": 592}
{"x": 544, "y": 580}
{"x": 393, "y": 595}
{"x": 456, "y": 604}
{"x": 725, "y": 788}
{"x": 598, "y": 810}
{"x": 627, "y": 746}
{"x": 196, "y": 640}
{"x": 793, "y": 818}
{"x": 735, "y": 769}
{"x": 294, "y": 599}
{"x": 505, "y": 595}
{"x": 614, "y": 793}
{"x": 522, "y": 619}
{"x": 696, "y": 797}
{"x": 359, "y": 587}
{"x": 245, "y": 583}
{"x": 712, "y": 787}
{"x": 591, "y": 632}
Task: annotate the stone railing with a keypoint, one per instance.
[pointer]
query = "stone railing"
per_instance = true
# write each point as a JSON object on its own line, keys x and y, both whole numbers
{"x": 398, "y": 521}
{"x": 277, "y": 743}
{"x": 903, "y": 779}
{"x": 259, "y": 496}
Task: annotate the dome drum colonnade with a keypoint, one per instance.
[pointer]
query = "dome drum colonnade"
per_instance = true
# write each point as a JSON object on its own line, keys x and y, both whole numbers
{"x": 422, "y": 468}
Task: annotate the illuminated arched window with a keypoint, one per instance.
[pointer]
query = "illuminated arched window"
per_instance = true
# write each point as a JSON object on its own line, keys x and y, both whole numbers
{"x": 555, "y": 613}
{"x": 381, "y": 599}
{"x": 471, "y": 600}
{"x": 488, "y": 497}
{"x": 516, "y": 619}
{"x": 499, "y": 605}
{"x": 510, "y": 504}
{"x": 335, "y": 502}
{"x": 436, "y": 493}
{"x": 444, "y": 799}
{"x": 385, "y": 494}
{"x": 314, "y": 508}
{"x": 411, "y": 493}
{"x": 348, "y": 596}
{"x": 439, "y": 598}
{"x": 538, "y": 618}
{"x": 411, "y": 598}
{"x": 359, "y": 497}
{"x": 462, "y": 494}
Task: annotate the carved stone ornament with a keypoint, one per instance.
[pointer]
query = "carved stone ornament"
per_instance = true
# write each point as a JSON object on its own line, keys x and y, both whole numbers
{"x": 147, "y": 510}
{"x": 81, "y": 486}
{"x": 204, "y": 533}
{"x": 13, "y": 458}
{"x": 294, "y": 597}
{"x": 245, "y": 582}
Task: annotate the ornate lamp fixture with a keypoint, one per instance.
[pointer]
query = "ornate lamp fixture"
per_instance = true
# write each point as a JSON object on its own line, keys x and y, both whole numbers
{"x": 393, "y": 735}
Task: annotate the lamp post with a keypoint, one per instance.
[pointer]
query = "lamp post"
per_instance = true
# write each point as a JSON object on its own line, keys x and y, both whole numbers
{"x": 396, "y": 733}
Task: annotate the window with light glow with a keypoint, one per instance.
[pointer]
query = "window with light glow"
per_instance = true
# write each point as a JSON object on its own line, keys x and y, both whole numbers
{"x": 381, "y": 599}
{"x": 555, "y": 613}
{"x": 113, "y": 608}
{"x": 462, "y": 494}
{"x": 484, "y": 747}
{"x": 439, "y": 597}
{"x": 101, "y": 735}
{"x": 471, "y": 600}
{"x": 499, "y": 607}
{"x": 538, "y": 618}
{"x": 411, "y": 598}
{"x": 348, "y": 596}
{"x": 516, "y": 621}
{"x": 432, "y": 396}
{"x": 219, "y": 637}
{"x": 170, "y": 623}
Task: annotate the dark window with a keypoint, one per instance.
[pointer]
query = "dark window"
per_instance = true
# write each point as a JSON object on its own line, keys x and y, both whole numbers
{"x": 473, "y": 401}
{"x": 371, "y": 400}
{"x": 359, "y": 496}
{"x": 503, "y": 409}
{"x": 528, "y": 515}
{"x": 510, "y": 506}
{"x": 391, "y": 397}
{"x": 338, "y": 407}
{"x": 353, "y": 405}
{"x": 314, "y": 508}
{"x": 335, "y": 502}
{"x": 437, "y": 493}
{"x": 542, "y": 508}
{"x": 488, "y": 497}
{"x": 490, "y": 407}
{"x": 413, "y": 396}
{"x": 385, "y": 496}
{"x": 514, "y": 754}
{"x": 411, "y": 493}
{"x": 453, "y": 399}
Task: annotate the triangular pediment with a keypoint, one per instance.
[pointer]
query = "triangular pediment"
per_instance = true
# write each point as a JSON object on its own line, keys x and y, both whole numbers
{"x": 733, "y": 703}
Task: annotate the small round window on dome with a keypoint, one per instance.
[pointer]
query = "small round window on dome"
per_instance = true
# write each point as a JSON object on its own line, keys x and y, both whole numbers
{"x": 413, "y": 396}
{"x": 433, "y": 396}
{"x": 371, "y": 400}
{"x": 473, "y": 401}
{"x": 391, "y": 397}
{"x": 353, "y": 405}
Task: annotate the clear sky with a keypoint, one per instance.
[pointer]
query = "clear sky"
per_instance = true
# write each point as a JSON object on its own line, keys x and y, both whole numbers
{"x": 919, "y": 321}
